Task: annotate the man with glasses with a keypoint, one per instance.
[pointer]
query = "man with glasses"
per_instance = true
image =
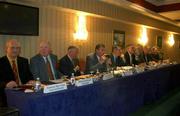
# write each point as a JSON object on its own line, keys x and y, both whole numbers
{"x": 14, "y": 70}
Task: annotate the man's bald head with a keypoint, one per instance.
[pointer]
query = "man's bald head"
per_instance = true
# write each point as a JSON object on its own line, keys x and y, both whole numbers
{"x": 13, "y": 48}
{"x": 44, "y": 48}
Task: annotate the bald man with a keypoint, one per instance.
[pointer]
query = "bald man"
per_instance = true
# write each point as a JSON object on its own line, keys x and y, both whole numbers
{"x": 44, "y": 64}
{"x": 14, "y": 70}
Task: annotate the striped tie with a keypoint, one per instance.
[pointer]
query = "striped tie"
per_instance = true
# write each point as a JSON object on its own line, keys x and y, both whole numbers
{"x": 14, "y": 67}
{"x": 50, "y": 74}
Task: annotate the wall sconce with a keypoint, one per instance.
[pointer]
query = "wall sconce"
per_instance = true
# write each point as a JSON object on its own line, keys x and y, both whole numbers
{"x": 144, "y": 39}
{"x": 171, "y": 40}
{"x": 81, "y": 31}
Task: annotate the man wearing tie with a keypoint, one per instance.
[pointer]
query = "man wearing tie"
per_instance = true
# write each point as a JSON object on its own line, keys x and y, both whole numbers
{"x": 44, "y": 64}
{"x": 97, "y": 61}
{"x": 129, "y": 55}
{"x": 116, "y": 58}
{"x": 70, "y": 63}
{"x": 14, "y": 70}
{"x": 146, "y": 54}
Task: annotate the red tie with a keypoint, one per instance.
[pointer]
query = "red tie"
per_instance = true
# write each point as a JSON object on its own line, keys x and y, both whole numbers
{"x": 14, "y": 67}
{"x": 49, "y": 69}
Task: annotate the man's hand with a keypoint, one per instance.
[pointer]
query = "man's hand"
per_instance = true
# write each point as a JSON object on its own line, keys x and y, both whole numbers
{"x": 31, "y": 82}
{"x": 108, "y": 61}
{"x": 11, "y": 84}
{"x": 102, "y": 59}
{"x": 76, "y": 68}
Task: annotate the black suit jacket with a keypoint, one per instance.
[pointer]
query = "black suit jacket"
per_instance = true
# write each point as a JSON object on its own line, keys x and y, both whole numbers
{"x": 147, "y": 58}
{"x": 66, "y": 67}
{"x": 127, "y": 58}
{"x": 155, "y": 57}
{"x": 119, "y": 61}
{"x": 7, "y": 75}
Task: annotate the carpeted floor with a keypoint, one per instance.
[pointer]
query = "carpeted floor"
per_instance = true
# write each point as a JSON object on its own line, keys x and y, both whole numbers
{"x": 167, "y": 106}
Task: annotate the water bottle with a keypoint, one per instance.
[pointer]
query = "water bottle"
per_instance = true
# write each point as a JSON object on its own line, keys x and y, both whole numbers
{"x": 72, "y": 79}
{"x": 37, "y": 85}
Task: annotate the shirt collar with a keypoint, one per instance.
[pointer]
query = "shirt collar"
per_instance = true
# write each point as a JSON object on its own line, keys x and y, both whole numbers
{"x": 44, "y": 57}
{"x": 69, "y": 57}
{"x": 10, "y": 59}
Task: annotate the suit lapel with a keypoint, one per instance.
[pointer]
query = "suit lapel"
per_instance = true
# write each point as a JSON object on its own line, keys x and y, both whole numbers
{"x": 9, "y": 66}
{"x": 112, "y": 60}
{"x": 127, "y": 58}
{"x": 70, "y": 62}
{"x": 41, "y": 60}
{"x": 53, "y": 61}
{"x": 19, "y": 65}
{"x": 95, "y": 57}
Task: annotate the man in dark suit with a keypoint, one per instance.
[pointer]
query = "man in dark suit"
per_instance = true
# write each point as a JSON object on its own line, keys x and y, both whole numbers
{"x": 70, "y": 63}
{"x": 44, "y": 64}
{"x": 146, "y": 54}
{"x": 155, "y": 54}
{"x": 129, "y": 55}
{"x": 14, "y": 69}
{"x": 139, "y": 55}
{"x": 97, "y": 61}
{"x": 116, "y": 58}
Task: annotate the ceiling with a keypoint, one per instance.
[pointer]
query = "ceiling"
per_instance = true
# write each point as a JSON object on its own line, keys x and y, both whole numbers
{"x": 162, "y": 2}
{"x": 167, "y": 8}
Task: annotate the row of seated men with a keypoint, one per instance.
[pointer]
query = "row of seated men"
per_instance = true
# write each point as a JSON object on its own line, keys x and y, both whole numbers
{"x": 15, "y": 70}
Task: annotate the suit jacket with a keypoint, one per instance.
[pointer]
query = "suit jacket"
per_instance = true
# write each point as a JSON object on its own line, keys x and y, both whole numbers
{"x": 127, "y": 58}
{"x": 92, "y": 64}
{"x": 7, "y": 75}
{"x": 66, "y": 66}
{"x": 140, "y": 58}
{"x": 155, "y": 57}
{"x": 147, "y": 58}
{"x": 39, "y": 69}
{"x": 118, "y": 62}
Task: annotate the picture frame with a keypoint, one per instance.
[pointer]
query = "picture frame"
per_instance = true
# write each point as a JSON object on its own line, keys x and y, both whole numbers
{"x": 119, "y": 38}
{"x": 159, "y": 41}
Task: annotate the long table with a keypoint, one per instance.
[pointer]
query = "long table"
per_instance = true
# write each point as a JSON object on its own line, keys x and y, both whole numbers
{"x": 113, "y": 97}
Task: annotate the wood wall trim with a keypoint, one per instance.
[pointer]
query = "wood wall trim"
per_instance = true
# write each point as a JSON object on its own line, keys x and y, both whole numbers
{"x": 169, "y": 7}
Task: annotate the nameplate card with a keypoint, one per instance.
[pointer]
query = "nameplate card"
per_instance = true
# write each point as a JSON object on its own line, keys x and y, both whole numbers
{"x": 107, "y": 76}
{"x": 127, "y": 73}
{"x": 55, "y": 87}
{"x": 139, "y": 70}
{"x": 83, "y": 82}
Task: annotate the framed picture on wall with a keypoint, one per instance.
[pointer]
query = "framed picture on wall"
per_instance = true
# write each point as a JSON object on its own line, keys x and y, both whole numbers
{"x": 179, "y": 43}
{"x": 159, "y": 41}
{"x": 119, "y": 38}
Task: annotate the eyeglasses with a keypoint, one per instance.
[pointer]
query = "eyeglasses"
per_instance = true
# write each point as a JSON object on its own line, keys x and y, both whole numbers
{"x": 12, "y": 48}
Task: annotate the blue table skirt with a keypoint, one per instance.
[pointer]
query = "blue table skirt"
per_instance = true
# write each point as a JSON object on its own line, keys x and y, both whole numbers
{"x": 114, "y": 97}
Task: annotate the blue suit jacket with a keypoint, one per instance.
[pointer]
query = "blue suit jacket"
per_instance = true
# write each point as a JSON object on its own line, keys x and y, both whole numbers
{"x": 66, "y": 67}
{"x": 119, "y": 61}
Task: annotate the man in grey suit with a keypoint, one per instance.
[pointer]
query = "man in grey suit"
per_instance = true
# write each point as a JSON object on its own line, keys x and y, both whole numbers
{"x": 97, "y": 61}
{"x": 44, "y": 64}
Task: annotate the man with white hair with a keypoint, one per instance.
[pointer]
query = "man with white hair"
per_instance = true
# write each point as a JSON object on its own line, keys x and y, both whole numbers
{"x": 14, "y": 70}
{"x": 44, "y": 64}
{"x": 70, "y": 63}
